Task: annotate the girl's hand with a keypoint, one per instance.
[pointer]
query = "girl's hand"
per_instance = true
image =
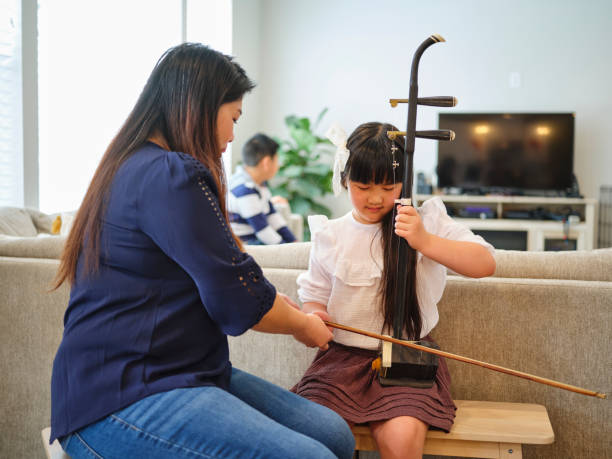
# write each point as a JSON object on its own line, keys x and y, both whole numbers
{"x": 314, "y": 333}
{"x": 408, "y": 224}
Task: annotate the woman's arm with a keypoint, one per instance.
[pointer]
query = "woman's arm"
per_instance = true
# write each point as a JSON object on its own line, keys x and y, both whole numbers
{"x": 467, "y": 258}
{"x": 307, "y": 328}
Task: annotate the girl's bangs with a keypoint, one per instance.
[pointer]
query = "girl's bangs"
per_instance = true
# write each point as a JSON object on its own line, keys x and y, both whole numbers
{"x": 375, "y": 166}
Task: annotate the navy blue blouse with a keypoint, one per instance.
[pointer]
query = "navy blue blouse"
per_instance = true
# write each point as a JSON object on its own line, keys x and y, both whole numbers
{"x": 172, "y": 284}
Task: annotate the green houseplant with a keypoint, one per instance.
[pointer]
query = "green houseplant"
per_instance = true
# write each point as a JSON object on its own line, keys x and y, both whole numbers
{"x": 305, "y": 172}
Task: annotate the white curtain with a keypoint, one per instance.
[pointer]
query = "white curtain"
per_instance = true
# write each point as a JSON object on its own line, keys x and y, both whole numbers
{"x": 11, "y": 133}
{"x": 94, "y": 59}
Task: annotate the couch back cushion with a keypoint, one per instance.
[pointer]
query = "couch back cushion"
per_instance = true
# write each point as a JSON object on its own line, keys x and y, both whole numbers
{"x": 16, "y": 222}
{"x": 590, "y": 265}
{"x": 293, "y": 256}
{"x": 43, "y": 222}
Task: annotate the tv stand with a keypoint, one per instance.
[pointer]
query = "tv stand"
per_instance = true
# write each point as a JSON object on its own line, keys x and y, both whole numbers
{"x": 526, "y": 222}
{"x": 496, "y": 191}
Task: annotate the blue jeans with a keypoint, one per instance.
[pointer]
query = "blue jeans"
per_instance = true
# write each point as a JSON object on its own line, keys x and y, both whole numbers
{"x": 253, "y": 418}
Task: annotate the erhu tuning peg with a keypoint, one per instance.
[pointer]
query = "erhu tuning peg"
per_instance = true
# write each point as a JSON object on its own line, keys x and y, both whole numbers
{"x": 436, "y": 134}
{"x": 437, "y": 101}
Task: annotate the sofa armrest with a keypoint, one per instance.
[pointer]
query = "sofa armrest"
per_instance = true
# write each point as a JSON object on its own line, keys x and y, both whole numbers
{"x": 295, "y": 222}
{"x": 30, "y": 334}
{"x": 296, "y": 225}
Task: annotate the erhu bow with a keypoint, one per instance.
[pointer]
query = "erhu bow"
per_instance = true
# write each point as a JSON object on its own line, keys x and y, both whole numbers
{"x": 460, "y": 358}
{"x": 416, "y": 369}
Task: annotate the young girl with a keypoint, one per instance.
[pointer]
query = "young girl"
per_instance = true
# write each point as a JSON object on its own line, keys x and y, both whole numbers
{"x": 351, "y": 280}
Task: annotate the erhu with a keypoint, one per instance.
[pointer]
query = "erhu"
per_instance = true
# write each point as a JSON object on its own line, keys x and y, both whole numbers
{"x": 400, "y": 365}
{"x": 414, "y": 363}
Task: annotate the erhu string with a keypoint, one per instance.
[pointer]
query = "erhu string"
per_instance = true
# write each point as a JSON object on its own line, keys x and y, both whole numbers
{"x": 396, "y": 241}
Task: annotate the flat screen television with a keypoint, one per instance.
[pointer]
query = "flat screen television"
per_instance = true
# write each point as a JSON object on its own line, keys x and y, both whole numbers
{"x": 507, "y": 153}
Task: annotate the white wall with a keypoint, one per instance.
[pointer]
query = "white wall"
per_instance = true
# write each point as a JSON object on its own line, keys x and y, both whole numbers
{"x": 352, "y": 56}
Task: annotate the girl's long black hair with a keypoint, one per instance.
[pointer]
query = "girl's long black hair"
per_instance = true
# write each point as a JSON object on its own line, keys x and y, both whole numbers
{"x": 371, "y": 161}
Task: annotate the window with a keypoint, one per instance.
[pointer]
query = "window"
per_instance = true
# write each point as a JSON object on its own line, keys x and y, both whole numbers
{"x": 210, "y": 22}
{"x": 94, "y": 59}
{"x": 11, "y": 134}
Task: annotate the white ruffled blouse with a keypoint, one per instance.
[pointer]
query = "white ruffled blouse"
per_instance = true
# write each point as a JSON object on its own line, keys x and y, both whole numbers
{"x": 345, "y": 270}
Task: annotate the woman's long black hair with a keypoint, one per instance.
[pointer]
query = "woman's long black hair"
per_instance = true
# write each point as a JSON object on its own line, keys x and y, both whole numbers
{"x": 180, "y": 102}
{"x": 370, "y": 160}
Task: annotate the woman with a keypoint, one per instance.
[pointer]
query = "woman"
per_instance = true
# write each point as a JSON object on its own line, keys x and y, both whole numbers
{"x": 159, "y": 281}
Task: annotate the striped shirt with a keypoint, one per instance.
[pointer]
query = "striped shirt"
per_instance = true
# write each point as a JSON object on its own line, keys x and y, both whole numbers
{"x": 252, "y": 215}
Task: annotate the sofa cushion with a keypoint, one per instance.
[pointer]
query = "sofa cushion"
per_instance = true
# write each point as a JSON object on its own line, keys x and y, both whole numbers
{"x": 42, "y": 246}
{"x": 575, "y": 265}
{"x": 43, "y": 222}
{"x": 293, "y": 255}
{"x": 590, "y": 265}
{"x": 16, "y": 222}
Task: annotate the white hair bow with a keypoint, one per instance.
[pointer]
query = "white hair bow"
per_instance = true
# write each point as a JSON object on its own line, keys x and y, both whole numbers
{"x": 338, "y": 137}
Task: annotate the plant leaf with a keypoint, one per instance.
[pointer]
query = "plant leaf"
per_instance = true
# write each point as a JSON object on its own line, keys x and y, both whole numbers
{"x": 304, "y": 139}
{"x": 320, "y": 209}
{"x": 306, "y": 188}
{"x": 300, "y": 205}
{"x": 291, "y": 120}
{"x": 320, "y": 117}
{"x": 305, "y": 171}
{"x": 304, "y": 123}
{"x": 280, "y": 191}
{"x": 317, "y": 169}
{"x": 292, "y": 171}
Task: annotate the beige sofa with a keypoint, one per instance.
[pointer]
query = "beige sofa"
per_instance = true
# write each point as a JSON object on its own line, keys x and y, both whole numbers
{"x": 549, "y": 314}
{"x": 28, "y": 233}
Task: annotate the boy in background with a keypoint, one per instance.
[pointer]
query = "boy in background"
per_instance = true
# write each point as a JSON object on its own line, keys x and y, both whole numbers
{"x": 251, "y": 212}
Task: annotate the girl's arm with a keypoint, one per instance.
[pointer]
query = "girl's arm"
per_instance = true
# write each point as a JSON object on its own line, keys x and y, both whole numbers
{"x": 467, "y": 258}
{"x": 314, "y": 307}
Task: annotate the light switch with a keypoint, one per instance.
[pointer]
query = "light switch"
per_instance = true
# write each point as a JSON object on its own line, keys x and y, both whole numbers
{"x": 514, "y": 80}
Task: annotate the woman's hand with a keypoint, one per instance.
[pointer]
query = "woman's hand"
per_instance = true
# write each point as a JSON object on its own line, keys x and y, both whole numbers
{"x": 314, "y": 333}
{"x": 285, "y": 317}
{"x": 324, "y": 316}
{"x": 408, "y": 224}
{"x": 318, "y": 309}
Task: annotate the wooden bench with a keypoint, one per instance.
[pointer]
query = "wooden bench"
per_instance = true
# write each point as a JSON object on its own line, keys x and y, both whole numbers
{"x": 481, "y": 429}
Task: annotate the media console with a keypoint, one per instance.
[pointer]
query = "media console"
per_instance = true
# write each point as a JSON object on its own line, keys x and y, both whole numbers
{"x": 536, "y": 223}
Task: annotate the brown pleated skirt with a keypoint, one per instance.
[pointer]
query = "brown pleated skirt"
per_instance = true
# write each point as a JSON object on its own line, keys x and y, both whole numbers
{"x": 342, "y": 379}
